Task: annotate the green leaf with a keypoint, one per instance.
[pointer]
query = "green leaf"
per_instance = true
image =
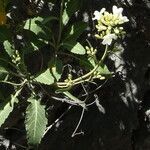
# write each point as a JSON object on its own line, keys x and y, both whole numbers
{"x": 33, "y": 43}
{"x": 35, "y": 122}
{"x": 71, "y": 6}
{"x": 3, "y": 70}
{"x": 7, "y": 107}
{"x": 56, "y": 68}
{"x": 49, "y": 19}
{"x": 36, "y": 25}
{"x": 85, "y": 62}
{"x": 74, "y": 31}
{"x": 103, "y": 70}
{"x": 92, "y": 61}
{"x": 45, "y": 78}
{"x": 31, "y": 24}
{"x": 9, "y": 48}
{"x": 74, "y": 47}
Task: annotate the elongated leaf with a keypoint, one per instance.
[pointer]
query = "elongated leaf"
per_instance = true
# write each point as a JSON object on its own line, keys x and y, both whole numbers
{"x": 74, "y": 31}
{"x": 74, "y": 47}
{"x": 45, "y": 78}
{"x": 7, "y": 107}
{"x": 35, "y": 122}
{"x": 8, "y": 48}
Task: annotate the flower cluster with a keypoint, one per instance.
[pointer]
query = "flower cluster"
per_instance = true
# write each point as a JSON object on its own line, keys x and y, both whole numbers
{"x": 109, "y": 24}
{"x": 16, "y": 58}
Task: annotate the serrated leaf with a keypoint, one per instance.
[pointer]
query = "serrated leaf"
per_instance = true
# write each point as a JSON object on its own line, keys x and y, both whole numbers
{"x": 35, "y": 122}
{"x": 70, "y": 7}
{"x": 74, "y": 47}
{"x": 7, "y": 107}
{"x": 8, "y": 48}
{"x": 74, "y": 31}
{"x": 45, "y": 78}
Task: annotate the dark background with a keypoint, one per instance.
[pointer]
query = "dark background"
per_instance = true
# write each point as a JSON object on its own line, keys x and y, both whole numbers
{"x": 125, "y": 98}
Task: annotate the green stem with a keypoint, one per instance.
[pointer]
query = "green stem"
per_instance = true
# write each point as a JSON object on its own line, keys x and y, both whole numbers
{"x": 11, "y": 83}
{"x": 95, "y": 68}
{"x": 88, "y": 75}
{"x": 60, "y": 23}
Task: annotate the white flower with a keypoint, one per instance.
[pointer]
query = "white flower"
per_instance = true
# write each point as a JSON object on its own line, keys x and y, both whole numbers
{"x": 117, "y": 12}
{"x": 107, "y": 39}
{"x": 98, "y": 14}
{"x": 101, "y": 27}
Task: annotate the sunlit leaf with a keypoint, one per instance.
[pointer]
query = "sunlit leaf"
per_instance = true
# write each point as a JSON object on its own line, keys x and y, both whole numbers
{"x": 36, "y": 25}
{"x": 8, "y": 48}
{"x": 45, "y": 78}
{"x": 7, "y": 107}
{"x": 35, "y": 122}
{"x": 103, "y": 70}
{"x": 74, "y": 47}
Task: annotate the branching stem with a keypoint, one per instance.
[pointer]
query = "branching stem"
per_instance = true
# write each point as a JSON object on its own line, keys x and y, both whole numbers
{"x": 86, "y": 77}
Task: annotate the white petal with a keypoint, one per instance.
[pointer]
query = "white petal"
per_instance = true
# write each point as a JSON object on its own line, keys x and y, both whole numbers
{"x": 98, "y": 14}
{"x": 107, "y": 39}
{"x": 117, "y": 11}
{"x": 101, "y": 28}
{"x": 125, "y": 19}
{"x": 102, "y": 10}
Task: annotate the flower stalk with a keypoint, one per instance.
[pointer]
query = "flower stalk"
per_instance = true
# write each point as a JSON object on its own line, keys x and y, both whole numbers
{"x": 109, "y": 29}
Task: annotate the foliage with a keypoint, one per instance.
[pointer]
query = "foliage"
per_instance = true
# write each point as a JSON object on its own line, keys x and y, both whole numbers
{"x": 59, "y": 36}
{"x": 36, "y": 121}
